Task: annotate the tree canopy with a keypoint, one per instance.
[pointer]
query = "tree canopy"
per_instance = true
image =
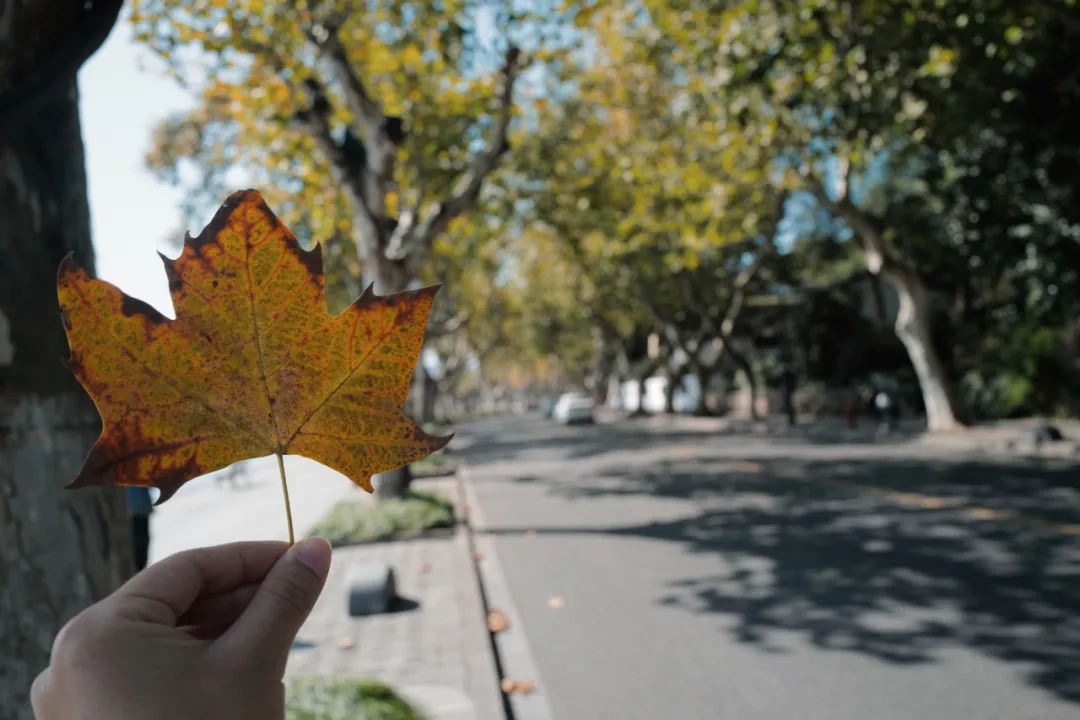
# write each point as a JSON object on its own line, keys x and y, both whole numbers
{"x": 740, "y": 179}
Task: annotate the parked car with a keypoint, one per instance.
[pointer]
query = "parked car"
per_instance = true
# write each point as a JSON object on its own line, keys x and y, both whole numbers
{"x": 574, "y": 408}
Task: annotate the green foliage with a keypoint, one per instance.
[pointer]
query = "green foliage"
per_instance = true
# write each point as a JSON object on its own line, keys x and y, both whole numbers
{"x": 1029, "y": 373}
{"x": 651, "y": 152}
{"x": 324, "y": 698}
{"x": 436, "y": 463}
{"x": 357, "y": 522}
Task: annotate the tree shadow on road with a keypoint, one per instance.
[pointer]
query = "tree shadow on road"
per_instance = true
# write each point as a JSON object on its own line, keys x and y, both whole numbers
{"x": 578, "y": 442}
{"x": 862, "y": 572}
{"x": 480, "y": 445}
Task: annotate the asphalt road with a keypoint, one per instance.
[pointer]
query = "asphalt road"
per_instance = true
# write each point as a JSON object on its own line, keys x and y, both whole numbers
{"x": 744, "y": 578}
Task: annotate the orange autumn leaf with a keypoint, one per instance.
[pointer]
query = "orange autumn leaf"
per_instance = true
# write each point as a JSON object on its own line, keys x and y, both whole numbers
{"x": 253, "y": 364}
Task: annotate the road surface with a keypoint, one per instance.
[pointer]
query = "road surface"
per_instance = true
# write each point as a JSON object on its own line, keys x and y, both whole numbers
{"x": 735, "y": 577}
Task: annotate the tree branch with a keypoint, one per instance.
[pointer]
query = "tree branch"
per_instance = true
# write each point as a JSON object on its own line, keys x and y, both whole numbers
{"x": 448, "y": 327}
{"x": 878, "y": 257}
{"x": 381, "y": 135}
{"x": 675, "y": 336}
{"x": 414, "y": 242}
{"x": 347, "y": 159}
{"x": 737, "y": 301}
{"x": 606, "y": 326}
{"x": 348, "y": 163}
{"x": 365, "y": 109}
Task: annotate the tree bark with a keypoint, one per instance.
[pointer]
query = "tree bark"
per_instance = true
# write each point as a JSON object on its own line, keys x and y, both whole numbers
{"x": 913, "y": 329}
{"x": 59, "y": 550}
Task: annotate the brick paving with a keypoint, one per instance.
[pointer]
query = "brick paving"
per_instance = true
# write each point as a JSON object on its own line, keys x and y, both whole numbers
{"x": 434, "y": 650}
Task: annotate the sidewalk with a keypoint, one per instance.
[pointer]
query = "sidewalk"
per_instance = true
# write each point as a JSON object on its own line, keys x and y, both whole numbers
{"x": 1011, "y": 438}
{"x": 435, "y": 651}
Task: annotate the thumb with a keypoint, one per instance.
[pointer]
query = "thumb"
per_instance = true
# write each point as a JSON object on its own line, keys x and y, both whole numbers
{"x": 265, "y": 632}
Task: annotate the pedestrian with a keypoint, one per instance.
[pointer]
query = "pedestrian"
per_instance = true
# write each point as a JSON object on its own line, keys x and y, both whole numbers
{"x": 789, "y": 383}
{"x": 202, "y": 634}
{"x": 851, "y": 413}
{"x": 232, "y": 475}
{"x": 140, "y": 505}
{"x": 884, "y": 406}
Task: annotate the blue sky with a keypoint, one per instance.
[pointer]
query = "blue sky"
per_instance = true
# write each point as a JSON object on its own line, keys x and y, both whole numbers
{"x": 132, "y": 213}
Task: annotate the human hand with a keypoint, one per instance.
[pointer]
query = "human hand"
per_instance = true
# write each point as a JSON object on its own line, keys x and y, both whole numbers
{"x": 202, "y": 634}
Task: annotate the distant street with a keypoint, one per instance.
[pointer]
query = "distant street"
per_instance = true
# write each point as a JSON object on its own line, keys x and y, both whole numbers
{"x": 737, "y": 577}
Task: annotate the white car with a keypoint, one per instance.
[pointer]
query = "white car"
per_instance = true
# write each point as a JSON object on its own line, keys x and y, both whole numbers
{"x": 574, "y": 408}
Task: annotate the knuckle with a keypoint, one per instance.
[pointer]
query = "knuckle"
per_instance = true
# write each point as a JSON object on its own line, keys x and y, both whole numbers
{"x": 296, "y": 595}
{"x": 40, "y": 691}
{"x": 79, "y": 641}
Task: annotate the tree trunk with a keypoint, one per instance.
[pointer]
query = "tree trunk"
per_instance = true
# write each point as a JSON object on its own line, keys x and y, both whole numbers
{"x": 789, "y": 397}
{"x": 701, "y": 406}
{"x": 59, "y": 550}
{"x": 387, "y": 278}
{"x": 424, "y": 394}
{"x": 743, "y": 362}
{"x": 913, "y": 316}
{"x": 614, "y": 390}
{"x": 669, "y": 393}
{"x": 640, "y": 410}
{"x": 913, "y": 329}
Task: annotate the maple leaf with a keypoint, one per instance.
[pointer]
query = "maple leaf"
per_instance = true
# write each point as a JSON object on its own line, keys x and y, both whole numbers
{"x": 253, "y": 364}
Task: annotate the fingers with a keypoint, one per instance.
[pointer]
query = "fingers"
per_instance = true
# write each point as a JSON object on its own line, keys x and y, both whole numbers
{"x": 285, "y": 598}
{"x": 39, "y": 696}
{"x": 212, "y": 615}
{"x": 163, "y": 592}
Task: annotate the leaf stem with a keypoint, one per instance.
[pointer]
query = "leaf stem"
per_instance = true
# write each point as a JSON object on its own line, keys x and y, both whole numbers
{"x": 285, "y": 491}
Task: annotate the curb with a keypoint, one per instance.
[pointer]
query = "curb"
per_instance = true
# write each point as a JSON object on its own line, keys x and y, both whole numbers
{"x": 482, "y": 668}
{"x": 511, "y": 650}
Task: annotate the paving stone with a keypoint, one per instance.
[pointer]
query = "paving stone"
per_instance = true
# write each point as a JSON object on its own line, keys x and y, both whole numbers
{"x": 434, "y": 648}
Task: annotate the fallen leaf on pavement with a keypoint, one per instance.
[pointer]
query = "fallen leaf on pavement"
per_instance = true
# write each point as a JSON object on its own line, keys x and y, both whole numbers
{"x": 530, "y": 533}
{"x": 497, "y": 621}
{"x": 985, "y": 513}
{"x": 253, "y": 364}
{"x": 424, "y": 566}
{"x": 478, "y": 556}
{"x": 524, "y": 687}
{"x": 346, "y": 643}
{"x": 556, "y": 602}
{"x": 683, "y": 453}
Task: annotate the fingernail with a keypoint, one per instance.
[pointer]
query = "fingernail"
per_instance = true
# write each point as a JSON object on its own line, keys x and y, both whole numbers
{"x": 315, "y": 553}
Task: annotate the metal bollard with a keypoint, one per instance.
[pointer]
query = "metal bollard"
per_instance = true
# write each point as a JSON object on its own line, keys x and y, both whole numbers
{"x": 372, "y": 589}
